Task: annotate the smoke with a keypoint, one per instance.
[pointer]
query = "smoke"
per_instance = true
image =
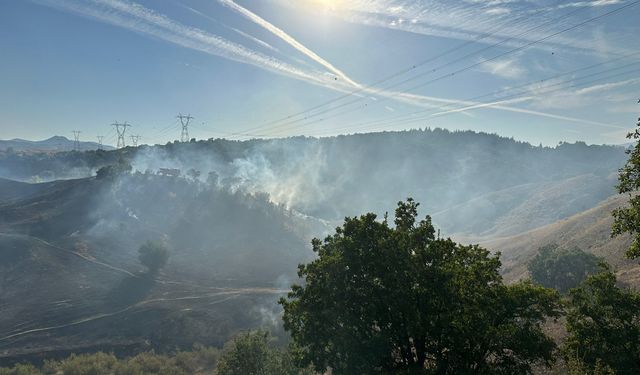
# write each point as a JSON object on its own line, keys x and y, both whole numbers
{"x": 237, "y": 217}
{"x": 291, "y": 174}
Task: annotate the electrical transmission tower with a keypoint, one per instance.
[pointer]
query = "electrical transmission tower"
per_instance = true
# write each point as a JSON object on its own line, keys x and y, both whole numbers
{"x": 135, "y": 139}
{"x": 100, "y": 138}
{"x": 121, "y": 129}
{"x": 76, "y": 139}
{"x": 184, "y": 120}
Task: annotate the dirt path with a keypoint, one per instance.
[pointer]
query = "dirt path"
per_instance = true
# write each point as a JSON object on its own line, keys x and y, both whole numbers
{"x": 228, "y": 292}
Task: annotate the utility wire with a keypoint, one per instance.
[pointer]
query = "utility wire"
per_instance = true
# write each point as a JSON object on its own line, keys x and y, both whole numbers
{"x": 469, "y": 67}
{"x": 531, "y": 43}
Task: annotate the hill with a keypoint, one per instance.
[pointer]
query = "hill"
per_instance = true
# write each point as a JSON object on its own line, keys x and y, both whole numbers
{"x": 475, "y": 183}
{"x": 524, "y": 207}
{"x": 589, "y": 230}
{"x": 238, "y": 216}
{"x": 54, "y": 144}
{"x": 71, "y": 280}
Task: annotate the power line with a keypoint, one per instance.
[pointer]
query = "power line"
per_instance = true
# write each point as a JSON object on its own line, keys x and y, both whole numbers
{"x": 76, "y": 139}
{"x": 184, "y": 121}
{"x": 397, "y": 120}
{"x": 406, "y": 70}
{"x": 100, "y": 138}
{"x": 415, "y": 77}
{"x": 135, "y": 139}
{"x": 469, "y": 67}
{"x": 469, "y": 101}
{"x": 121, "y": 128}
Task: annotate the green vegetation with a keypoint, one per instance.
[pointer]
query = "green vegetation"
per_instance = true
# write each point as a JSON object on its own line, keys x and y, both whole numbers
{"x": 627, "y": 219}
{"x": 380, "y": 299}
{"x": 603, "y": 323}
{"x": 385, "y": 298}
{"x": 250, "y": 353}
{"x": 562, "y": 269}
{"x": 21, "y": 369}
{"x": 198, "y": 360}
{"x": 153, "y": 255}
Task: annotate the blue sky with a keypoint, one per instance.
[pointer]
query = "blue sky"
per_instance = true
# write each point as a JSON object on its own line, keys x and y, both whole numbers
{"x": 539, "y": 71}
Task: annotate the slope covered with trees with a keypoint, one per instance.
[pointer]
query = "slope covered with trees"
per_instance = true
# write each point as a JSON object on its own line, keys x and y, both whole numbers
{"x": 457, "y": 175}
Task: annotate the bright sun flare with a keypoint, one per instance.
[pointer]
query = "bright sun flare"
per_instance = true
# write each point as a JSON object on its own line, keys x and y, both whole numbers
{"x": 326, "y": 4}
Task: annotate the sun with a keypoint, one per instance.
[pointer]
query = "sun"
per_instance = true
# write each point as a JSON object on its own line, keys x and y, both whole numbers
{"x": 330, "y": 5}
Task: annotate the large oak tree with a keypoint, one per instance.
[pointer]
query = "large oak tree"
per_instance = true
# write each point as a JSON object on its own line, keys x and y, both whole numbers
{"x": 382, "y": 298}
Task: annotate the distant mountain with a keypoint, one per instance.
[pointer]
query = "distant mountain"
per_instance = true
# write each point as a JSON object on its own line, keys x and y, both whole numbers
{"x": 55, "y": 143}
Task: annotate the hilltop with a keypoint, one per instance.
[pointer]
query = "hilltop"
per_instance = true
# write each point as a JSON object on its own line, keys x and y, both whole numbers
{"x": 54, "y": 144}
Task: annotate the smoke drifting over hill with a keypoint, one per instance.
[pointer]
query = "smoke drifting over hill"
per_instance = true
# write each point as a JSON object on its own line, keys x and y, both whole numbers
{"x": 237, "y": 218}
{"x": 456, "y": 176}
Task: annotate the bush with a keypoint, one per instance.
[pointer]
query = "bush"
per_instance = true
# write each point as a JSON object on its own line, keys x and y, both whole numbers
{"x": 562, "y": 269}
{"x": 83, "y": 364}
{"x": 153, "y": 255}
{"x": 21, "y": 369}
{"x": 199, "y": 360}
{"x": 250, "y": 354}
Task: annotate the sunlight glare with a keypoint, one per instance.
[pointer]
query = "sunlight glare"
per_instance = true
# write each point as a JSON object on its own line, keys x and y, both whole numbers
{"x": 326, "y": 5}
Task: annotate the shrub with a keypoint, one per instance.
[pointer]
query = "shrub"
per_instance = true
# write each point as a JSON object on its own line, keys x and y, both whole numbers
{"x": 153, "y": 255}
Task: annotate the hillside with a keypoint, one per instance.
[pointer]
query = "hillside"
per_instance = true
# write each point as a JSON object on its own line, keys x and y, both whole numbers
{"x": 473, "y": 183}
{"x": 522, "y": 208}
{"x": 589, "y": 230}
{"x": 71, "y": 280}
{"x": 10, "y": 189}
{"x": 54, "y": 144}
{"x": 238, "y": 218}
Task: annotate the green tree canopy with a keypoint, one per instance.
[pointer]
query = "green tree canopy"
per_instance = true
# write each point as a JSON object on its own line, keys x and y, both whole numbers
{"x": 153, "y": 255}
{"x": 627, "y": 219}
{"x": 250, "y": 354}
{"x": 603, "y": 323}
{"x": 380, "y": 299}
{"x": 562, "y": 269}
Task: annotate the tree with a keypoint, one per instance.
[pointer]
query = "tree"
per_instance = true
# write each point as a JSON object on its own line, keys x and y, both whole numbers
{"x": 603, "y": 323}
{"x": 380, "y": 299}
{"x": 153, "y": 255}
{"x": 562, "y": 269}
{"x": 250, "y": 354}
{"x": 627, "y": 219}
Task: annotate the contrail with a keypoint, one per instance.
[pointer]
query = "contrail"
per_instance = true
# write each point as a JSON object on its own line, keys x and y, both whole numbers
{"x": 246, "y": 35}
{"x": 143, "y": 20}
{"x": 287, "y": 38}
{"x": 138, "y": 18}
{"x": 482, "y": 105}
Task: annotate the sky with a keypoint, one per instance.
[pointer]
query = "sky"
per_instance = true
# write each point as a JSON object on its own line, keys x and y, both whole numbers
{"x": 538, "y": 71}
